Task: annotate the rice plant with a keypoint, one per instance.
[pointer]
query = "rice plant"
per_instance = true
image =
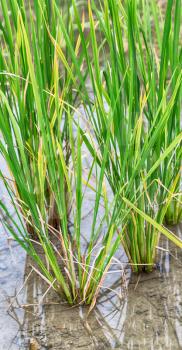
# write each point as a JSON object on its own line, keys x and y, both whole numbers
{"x": 45, "y": 182}
{"x": 174, "y": 211}
{"x": 135, "y": 114}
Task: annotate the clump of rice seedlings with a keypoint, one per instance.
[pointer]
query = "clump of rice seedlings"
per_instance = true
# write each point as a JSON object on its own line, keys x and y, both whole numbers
{"x": 30, "y": 122}
{"x": 133, "y": 112}
{"x": 171, "y": 67}
{"x": 46, "y": 182}
{"x": 153, "y": 14}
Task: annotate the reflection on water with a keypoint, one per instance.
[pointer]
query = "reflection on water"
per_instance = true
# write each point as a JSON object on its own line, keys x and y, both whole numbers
{"x": 12, "y": 266}
{"x": 148, "y": 316}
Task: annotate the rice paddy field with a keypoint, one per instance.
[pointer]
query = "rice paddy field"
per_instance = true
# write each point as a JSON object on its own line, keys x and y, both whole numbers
{"x": 90, "y": 174}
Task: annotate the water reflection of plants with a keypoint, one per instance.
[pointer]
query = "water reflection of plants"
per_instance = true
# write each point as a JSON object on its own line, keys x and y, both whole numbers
{"x": 42, "y": 75}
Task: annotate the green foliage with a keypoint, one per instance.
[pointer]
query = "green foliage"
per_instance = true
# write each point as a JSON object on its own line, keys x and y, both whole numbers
{"x": 132, "y": 133}
{"x": 135, "y": 112}
{"x": 47, "y": 181}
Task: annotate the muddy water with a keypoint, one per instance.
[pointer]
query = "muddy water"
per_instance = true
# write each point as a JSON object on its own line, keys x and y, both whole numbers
{"x": 148, "y": 316}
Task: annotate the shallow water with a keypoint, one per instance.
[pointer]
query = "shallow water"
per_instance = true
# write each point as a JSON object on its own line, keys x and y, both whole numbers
{"x": 148, "y": 316}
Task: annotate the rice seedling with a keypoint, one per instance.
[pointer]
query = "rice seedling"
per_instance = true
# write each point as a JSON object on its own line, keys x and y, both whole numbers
{"x": 44, "y": 156}
{"x": 173, "y": 66}
{"x": 28, "y": 94}
{"x": 135, "y": 115}
{"x": 46, "y": 182}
